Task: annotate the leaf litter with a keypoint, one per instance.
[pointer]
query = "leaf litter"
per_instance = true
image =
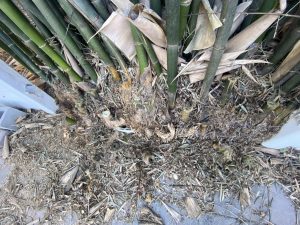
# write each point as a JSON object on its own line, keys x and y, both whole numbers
{"x": 175, "y": 157}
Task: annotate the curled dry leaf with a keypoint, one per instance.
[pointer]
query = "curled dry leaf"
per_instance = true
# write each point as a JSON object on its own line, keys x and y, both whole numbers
{"x": 109, "y": 214}
{"x": 124, "y": 5}
{"x": 148, "y": 25}
{"x": 199, "y": 73}
{"x": 107, "y": 119}
{"x": 5, "y": 149}
{"x": 67, "y": 179}
{"x": 207, "y": 22}
{"x": 192, "y": 208}
{"x": 146, "y": 20}
{"x": 166, "y": 137}
{"x": 249, "y": 74}
{"x": 246, "y": 37}
{"x": 245, "y": 197}
{"x": 292, "y": 59}
{"x": 72, "y": 61}
{"x": 121, "y": 37}
{"x": 175, "y": 215}
{"x": 161, "y": 54}
{"x": 239, "y": 15}
{"x": 147, "y": 157}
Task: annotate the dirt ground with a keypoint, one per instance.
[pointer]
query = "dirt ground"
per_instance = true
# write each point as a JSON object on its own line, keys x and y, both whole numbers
{"x": 127, "y": 151}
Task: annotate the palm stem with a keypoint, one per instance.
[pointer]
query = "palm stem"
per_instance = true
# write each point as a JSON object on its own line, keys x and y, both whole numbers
{"x": 21, "y": 21}
{"x": 101, "y": 9}
{"x": 87, "y": 10}
{"x": 156, "y": 6}
{"x": 33, "y": 10}
{"x": 227, "y": 15}
{"x": 151, "y": 53}
{"x": 8, "y": 42}
{"x": 59, "y": 29}
{"x": 13, "y": 54}
{"x": 26, "y": 40}
{"x": 293, "y": 81}
{"x": 140, "y": 50}
{"x": 86, "y": 31}
{"x": 194, "y": 11}
{"x": 172, "y": 13}
{"x": 184, "y": 10}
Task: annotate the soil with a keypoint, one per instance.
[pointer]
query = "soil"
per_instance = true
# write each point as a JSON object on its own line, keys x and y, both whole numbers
{"x": 140, "y": 152}
{"x": 127, "y": 148}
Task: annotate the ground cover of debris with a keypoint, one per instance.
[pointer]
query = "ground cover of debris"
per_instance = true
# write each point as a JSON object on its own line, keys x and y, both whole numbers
{"x": 127, "y": 149}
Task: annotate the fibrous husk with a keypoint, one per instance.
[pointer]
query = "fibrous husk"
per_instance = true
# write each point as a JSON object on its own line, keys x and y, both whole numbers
{"x": 192, "y": 208}
{"x": 5, "y": 149}
{"x": 107, "y": 119}
{"x": 166, "y": 137}
{"x": 207, "y": 22}
{"x": 121, "y": 37}
{"x": 67, "y": 179}
{"x": 292, "y": 59}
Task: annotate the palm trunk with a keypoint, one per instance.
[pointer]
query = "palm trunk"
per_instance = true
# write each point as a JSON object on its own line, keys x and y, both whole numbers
{"x": 88, "y": 11}
{"x": 59, "y": 28}
{"x": 172, "y": 13}
{"x": 227, "y": 15}
{"x": 19, "y": 43}
{"x": 17, "y": 17}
